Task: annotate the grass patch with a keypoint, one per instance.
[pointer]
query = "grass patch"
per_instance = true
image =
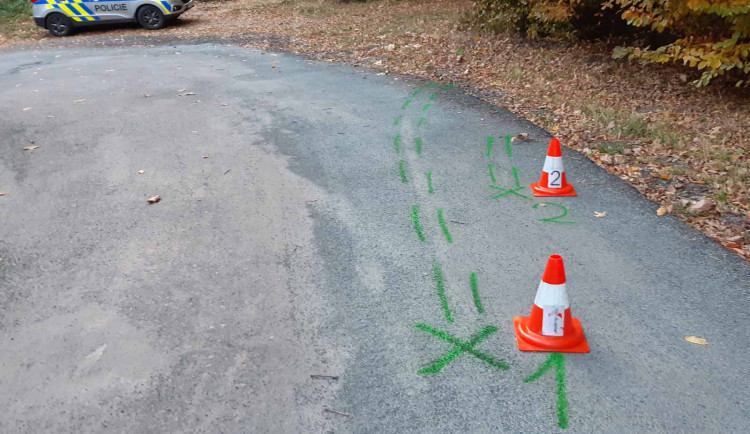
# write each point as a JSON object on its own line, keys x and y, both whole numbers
{"x": 15, "y": 19}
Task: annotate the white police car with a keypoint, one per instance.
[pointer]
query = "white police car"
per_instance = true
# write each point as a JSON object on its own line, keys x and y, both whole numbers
{"x": 60, "y": 17}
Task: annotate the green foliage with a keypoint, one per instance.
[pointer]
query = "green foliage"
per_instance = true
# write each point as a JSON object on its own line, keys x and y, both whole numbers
{"x": 12, "y": 10}
{"x": 712, "y": 36}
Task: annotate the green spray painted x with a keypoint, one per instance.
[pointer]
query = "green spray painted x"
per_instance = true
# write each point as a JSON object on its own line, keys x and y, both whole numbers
{"x": 459, "y": 348}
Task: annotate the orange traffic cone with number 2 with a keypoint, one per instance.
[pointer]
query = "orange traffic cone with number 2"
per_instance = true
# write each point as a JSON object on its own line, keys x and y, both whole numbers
{"x": 551, "y": 327}
{"x": 553, "y": 181}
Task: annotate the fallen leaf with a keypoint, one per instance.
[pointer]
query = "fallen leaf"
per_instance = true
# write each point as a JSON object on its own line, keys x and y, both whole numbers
{"x": 30, "y": 148}
{"x": 3, "y": 193}
{"x": 141, "y": 172}
{"x": 205, "y": 156}
{"x": 696, "y": 340}
{"x": 78, "y": 101}
{"x": 27, "y": 109}
{"x": 600, "y": 214}
{"x": 661, "y": 211}
{"x": 147, "y": 95}
{"x": 187, "y": 94}
{"x": 524, "y": 137}
{"x": 154, "y": 199}
{"x": 701, "y": 206}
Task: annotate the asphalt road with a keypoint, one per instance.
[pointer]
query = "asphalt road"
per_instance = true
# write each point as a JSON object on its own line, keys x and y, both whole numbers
{"x": 284, "y": 247}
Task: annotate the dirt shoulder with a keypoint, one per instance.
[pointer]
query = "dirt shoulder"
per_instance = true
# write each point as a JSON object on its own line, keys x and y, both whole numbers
{"x": 687, "y": 149}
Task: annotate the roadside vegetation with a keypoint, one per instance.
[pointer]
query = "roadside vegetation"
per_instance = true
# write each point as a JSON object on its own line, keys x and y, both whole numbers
{"x": 15, "y": 19}
{"x": 685, "y": 147}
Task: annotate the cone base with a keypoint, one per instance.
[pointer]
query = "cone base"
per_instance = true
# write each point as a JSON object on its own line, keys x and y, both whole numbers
{"x": 531, "y": 341}
{"x": 541, "y": 191}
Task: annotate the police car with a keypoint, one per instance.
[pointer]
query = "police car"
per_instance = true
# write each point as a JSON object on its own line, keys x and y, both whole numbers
{"x": 60, "y": 17}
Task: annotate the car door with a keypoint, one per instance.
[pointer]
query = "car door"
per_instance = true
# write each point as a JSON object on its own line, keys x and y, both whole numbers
{"x": 109, "y": 10}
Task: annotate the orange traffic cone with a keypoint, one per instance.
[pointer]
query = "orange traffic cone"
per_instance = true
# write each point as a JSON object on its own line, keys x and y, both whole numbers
{"x": 553, "y": 181}
{"x": 551, "y": 327}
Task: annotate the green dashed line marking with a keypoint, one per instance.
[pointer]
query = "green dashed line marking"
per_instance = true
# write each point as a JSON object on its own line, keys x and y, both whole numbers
{"x": 558, "y": 360}
{"x": 429, "y": 183}
{"x": 397, "y": 120}
{"x": 515, "y": 176}
{"x": 422, "y": 120}
{"x": 406, "y": 104}
{"x": 418, "y": 142}
{"x": 475, "y": 293}
{"x": 433, "y": 96}
{"x": 426, "y": 106}
{"x": 397, "y": 143}
{"x": 417, "y": 225}
{"x": 402, "y": 171}
{"x": 507, "y": 146}
{"x": 490, "y": 143}
{"x": 444, "y": 226}
{"x": 490, "y": 168}
{"x": 437, "y": 273}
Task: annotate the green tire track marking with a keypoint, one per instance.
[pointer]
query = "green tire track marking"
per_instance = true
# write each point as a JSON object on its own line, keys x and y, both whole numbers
{"x": 444, "y": 226}
{"x": 397, "y": 143}
{"x": 515, "y": 176}
{"x": 490, "y": 143}
{"x": 459, "y": 348}
{"x": 417, "y": 225}
{"x": 397, "y": 120}
{"x": 558, "y": 360}
{"x": 437, "y": 272}
{"x": 426, "y": 106}
{"x": 429, "y": 183}
{"x": 406, "y": 104}
{"x": 421, "y": 121}
{"x": 421, "y": 88}
{"x": 418, "y": 142}
{"x": 491, "y": 168}
{"x": 508, "y": 149}
{"x": 475, "y": 293}
{"x": 402, "y": 171}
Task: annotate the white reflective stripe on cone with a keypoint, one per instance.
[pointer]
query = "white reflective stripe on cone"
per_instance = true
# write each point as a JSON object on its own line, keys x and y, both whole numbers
{"x": 551, "y": 295}
{"x": 554, "y": 168}
{"x": 553, "y": 320}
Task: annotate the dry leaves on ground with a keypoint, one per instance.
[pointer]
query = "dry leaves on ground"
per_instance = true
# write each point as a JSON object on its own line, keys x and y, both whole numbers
{"x": 696, "y": 340}
{"x": 154, "y": 199}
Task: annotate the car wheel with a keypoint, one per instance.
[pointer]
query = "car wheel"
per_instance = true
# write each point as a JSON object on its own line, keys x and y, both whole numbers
{"x": 151, "y": 18}
{"x": 59, "y": 24}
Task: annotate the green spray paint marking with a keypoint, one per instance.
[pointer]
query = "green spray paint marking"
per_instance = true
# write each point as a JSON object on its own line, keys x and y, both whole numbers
{"x": 444, "y": 225}
{"x": 507, "y": 191}
{"x": 558, "y": 360}
{"x": 429, "y": 183}
{"x": 437, "y": 272}
{"x": 421, "y": 88}
{"x": 490, "y": 143}
{"x": 397, "y": 143}
{"x": 402, "y": 171}
{"x": 475, "y": 293}
{"x": 415, "y": 220}
{"x": 515, "y": 176}
{"x": 397, "y": 120}
{"x": 460, "y": 52}
{"x": 421, "y": 121}
{"x": 418, "y": 142}
{"x": 447, "y": 86}
{"x": 460, "y": 347}
{"x": 557, "y": 217}
{"x": 426, "y": 106}
{"x": 406, "y": 104}
{"x": 433, "y": 96}
{"x": 490, "y": 167}
{"x": 507, "y": 146}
